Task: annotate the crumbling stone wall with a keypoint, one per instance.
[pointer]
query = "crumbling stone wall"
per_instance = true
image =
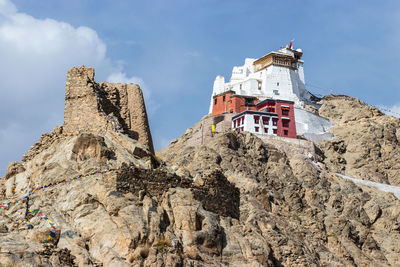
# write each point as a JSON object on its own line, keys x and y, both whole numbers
{"x": 94, "y": 108}
{"x": 215, "y": 192}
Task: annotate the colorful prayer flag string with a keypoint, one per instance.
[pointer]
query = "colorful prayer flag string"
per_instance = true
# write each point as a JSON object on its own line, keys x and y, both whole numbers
{"x": 53, "y": 228}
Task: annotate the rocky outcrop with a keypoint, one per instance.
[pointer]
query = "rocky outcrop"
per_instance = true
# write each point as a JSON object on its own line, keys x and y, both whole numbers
{"x": 234, "y": 200}
{"x": 303, "y": 214}
{"x": 91, "y": 107}
{"x": 97, "y": 197}
{"x": 366, "y": 143}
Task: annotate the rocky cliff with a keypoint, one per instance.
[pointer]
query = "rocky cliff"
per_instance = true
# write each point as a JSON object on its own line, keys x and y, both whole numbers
{"x": 366, "y": 142}
{"x": 101, "y": 199}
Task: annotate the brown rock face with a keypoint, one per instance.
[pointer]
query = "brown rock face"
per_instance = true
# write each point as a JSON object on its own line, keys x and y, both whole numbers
{"x": 232, "y": 201}
{"x": 293, "y": 213}
{"x": 89, "y": 146}
{"x": 228, "y": 200}
{"x": 366, "y": 143}
{"x": 95, "y": 108}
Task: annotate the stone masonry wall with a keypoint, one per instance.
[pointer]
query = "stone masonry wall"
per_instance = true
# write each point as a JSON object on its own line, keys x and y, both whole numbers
{"x": 132, "y": 111}
{"x": 94, "y": 108}
{"x": 81, "y": 110}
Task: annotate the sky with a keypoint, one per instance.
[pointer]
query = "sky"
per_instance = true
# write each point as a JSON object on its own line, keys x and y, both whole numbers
{"x": 174, "y": 50}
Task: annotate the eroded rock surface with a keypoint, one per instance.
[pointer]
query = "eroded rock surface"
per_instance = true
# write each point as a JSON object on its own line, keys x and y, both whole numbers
{"x": 293, "y": 210}
{"x": 366, "y": 143}
{"x": 235, "y": 200}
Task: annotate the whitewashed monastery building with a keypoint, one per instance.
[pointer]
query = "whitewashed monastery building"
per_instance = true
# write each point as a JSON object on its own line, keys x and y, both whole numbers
{"x": 278, "y": 75}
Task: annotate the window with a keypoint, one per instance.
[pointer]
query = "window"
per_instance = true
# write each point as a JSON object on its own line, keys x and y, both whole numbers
{"x": 240, "y": 86}
{"x": 256, "y": 129}
{"x": 234, "y": 124}
{"x": 248, "y": 101}
{"x": 243, "y": 120}
{"x": 223, "y": 98}
{"x": 285, "y": 111}
{"x": 242, "y": 129}
{"x": 285, "y": 132}
{"x": 256, "y": 119}
{"x": 266, "y": 130}
{"x": 285, "y": 123}
{"x": 231, "y": 111}
{"x": 259, "y": 85}
{"x": 265, "y": 120}
{"x": 277, "y": 84}
{"x": 275, "y": 131}
{"x": 215, "y": 101}
{"x": 274, "y": 122}
{"x": 238, "y": 121}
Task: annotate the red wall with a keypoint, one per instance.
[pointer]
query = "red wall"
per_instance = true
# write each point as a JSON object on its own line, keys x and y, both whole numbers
{"x": 277, "y": 104}
{"x": 292, "y": 124}
{"x": 232, "y": 104}
{"x": 221, "y": 106}
{"x": 237, "y": 104}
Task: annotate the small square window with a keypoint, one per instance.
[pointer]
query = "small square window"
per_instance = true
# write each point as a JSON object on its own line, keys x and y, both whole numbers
{"x": 275, "y": 131}
{"x": 256, "y": 129}
{"x": 285, "y": 123}
{"x": 285, "y": 132}
{"x": 266, "y": 130}
{"x": 223, "y": 98}
{"x": 256, "y": 119}
{"x": 215, "y": 101}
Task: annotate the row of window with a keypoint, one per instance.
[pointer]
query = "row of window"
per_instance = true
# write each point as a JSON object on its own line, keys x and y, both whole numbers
{"x": 265, "y": 120}
{"x": 275, "y": 131}
{"x": 256, "y": 129}
{"x": 285, "y": 111}
{"x": 238, "y": 122}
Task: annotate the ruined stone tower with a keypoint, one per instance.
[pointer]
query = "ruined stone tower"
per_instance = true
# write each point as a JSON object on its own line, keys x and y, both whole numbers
{"x": 96, "y": 108}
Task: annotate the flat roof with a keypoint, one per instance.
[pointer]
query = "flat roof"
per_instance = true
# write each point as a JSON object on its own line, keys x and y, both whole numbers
{"x": 234, "y": 94}
{"x": 280, "y": 100}
{"x": 254, "y": 112}
{"x": 280, "y": 53}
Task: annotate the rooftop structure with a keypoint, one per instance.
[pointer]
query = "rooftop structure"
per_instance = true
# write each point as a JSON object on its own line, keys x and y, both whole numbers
{"x": 277, "y": 75}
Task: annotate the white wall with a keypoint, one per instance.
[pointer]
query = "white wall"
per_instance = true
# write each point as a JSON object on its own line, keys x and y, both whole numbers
{"x": 249, "y": 125}
{"x": 308, "y": 122}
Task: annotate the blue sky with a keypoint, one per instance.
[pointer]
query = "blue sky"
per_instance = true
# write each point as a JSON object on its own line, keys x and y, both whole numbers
{"x": 175, "y": 49}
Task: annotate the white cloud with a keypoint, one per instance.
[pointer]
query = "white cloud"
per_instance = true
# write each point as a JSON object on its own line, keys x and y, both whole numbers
{"x": 35, "y": 55}
{"x": 6, "y": 7}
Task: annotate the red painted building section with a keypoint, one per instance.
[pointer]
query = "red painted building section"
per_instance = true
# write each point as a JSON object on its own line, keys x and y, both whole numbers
{"x": 229, "y": 102}
{"x": 280, "y": 112}
{"x": 285, "y": 111}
